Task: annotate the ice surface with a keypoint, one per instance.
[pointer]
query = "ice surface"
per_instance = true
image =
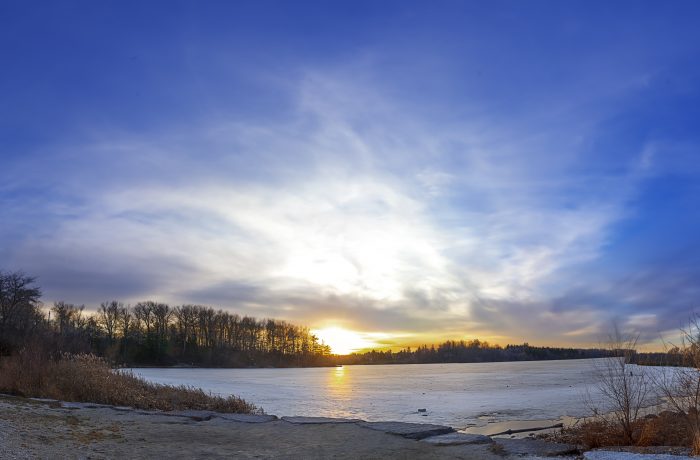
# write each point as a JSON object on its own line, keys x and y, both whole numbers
{"x": 457, "y": 395}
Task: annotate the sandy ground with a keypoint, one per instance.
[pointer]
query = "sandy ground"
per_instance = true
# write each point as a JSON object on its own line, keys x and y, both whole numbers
{"x": 31, "y": 429}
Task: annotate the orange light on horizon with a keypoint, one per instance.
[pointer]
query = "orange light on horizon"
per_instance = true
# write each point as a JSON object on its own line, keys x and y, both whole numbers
{"x": 344, "y": 341}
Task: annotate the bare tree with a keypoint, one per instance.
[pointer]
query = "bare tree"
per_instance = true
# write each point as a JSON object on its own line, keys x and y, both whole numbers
{"x": 108, "y": 317}
{"x": 125, "y": 320}
{"x": 143, "y": 311}
{"x": 186, "y": 316}
{"x": 69, "y": 317}
{"x": 680, "y": 385}
{"x": 19, "y": 299}
{"x": 626, "y": 389}
{"x": 162, "y": 314}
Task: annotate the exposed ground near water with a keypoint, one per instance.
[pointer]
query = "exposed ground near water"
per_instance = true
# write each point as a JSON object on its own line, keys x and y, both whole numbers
{"x": 46, "y": 429}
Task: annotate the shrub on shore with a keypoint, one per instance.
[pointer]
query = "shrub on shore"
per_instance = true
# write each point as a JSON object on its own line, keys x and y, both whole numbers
{"x": 87, "y": 378}
{"x": 625, "y": 391}
{"x": 667, "y": 428}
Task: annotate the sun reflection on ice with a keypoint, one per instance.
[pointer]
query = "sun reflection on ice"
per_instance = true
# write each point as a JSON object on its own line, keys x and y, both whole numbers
{"x": 340, "y": 389}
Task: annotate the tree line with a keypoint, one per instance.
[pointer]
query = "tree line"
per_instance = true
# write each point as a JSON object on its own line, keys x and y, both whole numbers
{"x": 151, "y": 333}
{"x": 154, "y": 333}
{"x": 472, "y": 351}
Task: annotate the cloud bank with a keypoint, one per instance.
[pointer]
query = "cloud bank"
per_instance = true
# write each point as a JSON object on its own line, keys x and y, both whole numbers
{"x": 541, "y": 207}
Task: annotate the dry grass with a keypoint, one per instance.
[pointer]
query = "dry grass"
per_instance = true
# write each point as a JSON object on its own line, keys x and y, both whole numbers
{"x": 665, "y": 429}
{"x": 87, "y": 378}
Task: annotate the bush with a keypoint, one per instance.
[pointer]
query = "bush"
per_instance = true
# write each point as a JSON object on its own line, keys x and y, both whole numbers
{"x": 680, "y": 386}
{"x": 665, "y": 429}
{"x": 625, "y": 390}
{"x": 87, "y": 378}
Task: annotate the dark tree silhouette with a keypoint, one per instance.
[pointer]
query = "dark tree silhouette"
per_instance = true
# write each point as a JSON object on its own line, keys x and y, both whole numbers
{"x": 154, "y": 333}
{"x": 20, "y": 309}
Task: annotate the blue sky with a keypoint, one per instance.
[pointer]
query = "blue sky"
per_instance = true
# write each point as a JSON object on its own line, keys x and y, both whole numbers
{"x": 410, "y": 170}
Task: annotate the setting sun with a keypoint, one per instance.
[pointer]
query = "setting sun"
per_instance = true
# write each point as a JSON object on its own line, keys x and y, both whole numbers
{"x": 343, "y": 341}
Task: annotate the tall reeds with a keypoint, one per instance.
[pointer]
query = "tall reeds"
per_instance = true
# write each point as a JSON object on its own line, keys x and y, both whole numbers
{"x": 87, "y": 378}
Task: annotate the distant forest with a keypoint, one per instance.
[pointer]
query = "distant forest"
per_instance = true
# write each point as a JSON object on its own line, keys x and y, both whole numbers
{"x": 156, "y": 334}
{"x": 472, "y": 351}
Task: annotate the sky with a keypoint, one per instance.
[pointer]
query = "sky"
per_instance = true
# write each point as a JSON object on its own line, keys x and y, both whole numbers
{"x": 410, "y": 171}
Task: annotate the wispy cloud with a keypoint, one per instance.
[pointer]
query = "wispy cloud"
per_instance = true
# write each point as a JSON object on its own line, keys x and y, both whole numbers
{"x": 347, "y": 208}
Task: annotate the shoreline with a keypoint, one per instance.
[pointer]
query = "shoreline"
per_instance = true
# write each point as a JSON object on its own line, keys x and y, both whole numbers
{"x": 521, "y": 428}
{"x": 194, "y": 366}
{"x": 35, "y": 427}
{"x": 44, "y": 428}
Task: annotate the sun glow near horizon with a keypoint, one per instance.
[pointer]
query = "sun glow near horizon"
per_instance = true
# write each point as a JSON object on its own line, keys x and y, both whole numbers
{"x": 344, "y": 341}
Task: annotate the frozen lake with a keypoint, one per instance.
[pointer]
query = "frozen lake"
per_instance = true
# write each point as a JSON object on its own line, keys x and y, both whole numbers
{"x": 458, "y": 395}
